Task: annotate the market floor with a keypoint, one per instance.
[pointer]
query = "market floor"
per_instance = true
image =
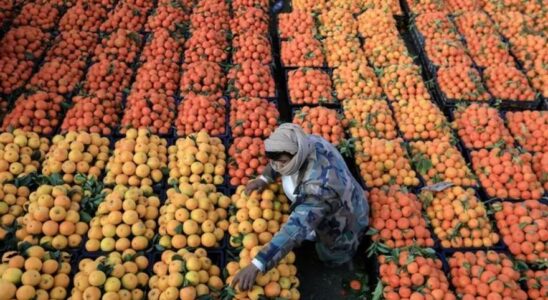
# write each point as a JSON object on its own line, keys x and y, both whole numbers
{"x": 319, "y": 282}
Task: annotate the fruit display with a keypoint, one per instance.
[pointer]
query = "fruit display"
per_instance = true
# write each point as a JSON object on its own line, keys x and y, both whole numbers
{"x": 495, "y": 167}
{"x": 385, "y": 49}
{"x": 210, "y": 14}
{"x": 202, "y": 46}
{"x": 148, "y": 118}
{"x": 116, "y": 275}
{"x": 295, "y": 23}
{"x": 125, "y": 220}
{"x": 38, "y": 15}
{"x": 309, "y": 86}
{"x": 308, "y": 6}
{"x": 375, "y": 21}
{"x": 139, "y": 159}
{"x": 52, "y": 217}
{"x": 24, "y": 43}
{"x": 508, "y": 83}
{"x": 540, "y": 166}
{"x": 251, "y": 79}
{"x": 198, "y": 112}
{"x": 257, "y": 217}
{"x": 337, "y": 22}
{"x": 91, "y": 114}
{"x": 167, "y": 16}
{"x": 121, "y": 45}
{"x": 184, "y": 275}
{"x": 83, "y": 17}
{"x": 396, "y": 218}
{"x": 157, "y": 75}
{"x": 439, "y": 161}
{"x": 35, "y": 273}
{"x": 56, "y": 76}
{"x": 162, "y": 45}
{"x": 302, "y": 50}
{"x": 253, "y": 117}
{"x": 107, "y": 80}
{"x": 435, "y": 24}
{"x": 342, "y": 50}
{"x": 21, "y": 153}
{"x": 249, "y": 19}
{"x": 421, "y": 119}
{"x": 461, "y": 83}
{"x": 537, "y": 284}
{"x": 403, "y": 82}
{"x": 76, "y": 153}
{"x": 203, "y": 78}
{"x": 261, "y": 4}
{"x": 529, "y": 129}
{"x": 523, "y": 229}
{"x": 251, "y": 46}
{"x": 280, "y": 282}
{"x": 459, "y": 218}
{"x": 39, "y": 112}
{"x": 384, "y": 162}
{"x": 369, "y": 118}
{"x": 485, "y": 274}
{"x": 151, "y": 110}
{"x": 490, "y": 51}
{"x": 321, "y": 121}
{"x": 356, "y": 80}
{"x": 125, "y": 16}
{"x": 480, "y": 126}
{"x": 198, "y": 158}
{"x": 193, "y": 216}
{"x": 246, "y": 160}
{"x": 446, "y": 52}
{"x": 14, "y": 198}
{"x": 414, "y": 274}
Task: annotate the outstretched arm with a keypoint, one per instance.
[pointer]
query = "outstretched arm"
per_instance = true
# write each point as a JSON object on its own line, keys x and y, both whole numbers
{"x": 302, "y": 221}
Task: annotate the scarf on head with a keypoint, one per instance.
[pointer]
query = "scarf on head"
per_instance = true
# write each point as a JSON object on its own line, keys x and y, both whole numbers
{"x": 289, "y": 138}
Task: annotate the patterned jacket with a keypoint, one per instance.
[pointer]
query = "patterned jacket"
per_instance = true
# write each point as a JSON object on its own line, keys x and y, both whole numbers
{"x": 328, "y": 201}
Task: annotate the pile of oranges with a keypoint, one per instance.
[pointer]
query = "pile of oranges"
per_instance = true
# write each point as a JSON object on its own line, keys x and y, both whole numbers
{"x": 258, "y": 216}
{"x": 384, "y": 162}
{"x": 21, "y": 153}
{"x": 414, "y": 275}
{"x": 321, "y": 121}
{"x": 195, "y": 217}
{"x": 138, "y": 160}
{"x": 76, "y": 153}
{"x": 197, "y": 158}
{"x": 35, "y": 273}
{"x": 13, "y": 200}
{"x": 459, "y": 218}
{"x": 280, "y": 281}
{"x": 118, "y": 275}
{"x": 126, "y": 219}
{"x": 52, "y": 217}
{"x": 397, "y": 219}
{"x": 184, "y": 275}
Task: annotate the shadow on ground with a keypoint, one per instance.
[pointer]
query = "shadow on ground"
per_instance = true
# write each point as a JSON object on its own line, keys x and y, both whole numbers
{"x": 319, "y": 282}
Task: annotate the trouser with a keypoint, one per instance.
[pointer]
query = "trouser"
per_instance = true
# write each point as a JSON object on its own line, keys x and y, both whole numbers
{"x": 340, "y": 254}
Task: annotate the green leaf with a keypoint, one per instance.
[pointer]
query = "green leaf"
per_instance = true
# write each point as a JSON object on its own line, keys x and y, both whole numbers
{"x": 378, "y": 292}
{"x": 422, "y": 163}
{"x": 179, "y": 229}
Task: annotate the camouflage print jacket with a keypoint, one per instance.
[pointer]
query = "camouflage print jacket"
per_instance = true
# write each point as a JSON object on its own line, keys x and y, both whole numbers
{"x": 328, "y": 201}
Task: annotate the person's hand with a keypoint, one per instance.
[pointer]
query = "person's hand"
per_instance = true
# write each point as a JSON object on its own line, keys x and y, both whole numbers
{"x": 246, "y": 277}
{"x": 255, "y": 185}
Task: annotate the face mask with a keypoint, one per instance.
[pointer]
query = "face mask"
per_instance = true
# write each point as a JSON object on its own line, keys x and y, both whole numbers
{"x": 276, "y": 165}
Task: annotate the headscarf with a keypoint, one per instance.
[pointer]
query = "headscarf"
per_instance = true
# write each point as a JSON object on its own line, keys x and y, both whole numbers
{"x": 289, "y": 138}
